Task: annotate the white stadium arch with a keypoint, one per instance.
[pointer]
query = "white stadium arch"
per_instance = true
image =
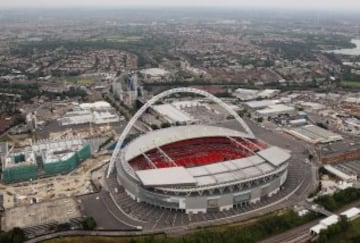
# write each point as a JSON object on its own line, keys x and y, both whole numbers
{"x": 166, "y": 93}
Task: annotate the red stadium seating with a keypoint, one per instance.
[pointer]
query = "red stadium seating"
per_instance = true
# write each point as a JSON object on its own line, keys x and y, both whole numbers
{"x": 197, "y": 152}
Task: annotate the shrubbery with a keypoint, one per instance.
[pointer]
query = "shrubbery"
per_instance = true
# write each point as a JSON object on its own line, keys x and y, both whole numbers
{"x": 338, "y": 199}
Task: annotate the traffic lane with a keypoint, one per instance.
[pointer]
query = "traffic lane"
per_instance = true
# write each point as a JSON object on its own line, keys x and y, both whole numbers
{"x": 92, "y": 205}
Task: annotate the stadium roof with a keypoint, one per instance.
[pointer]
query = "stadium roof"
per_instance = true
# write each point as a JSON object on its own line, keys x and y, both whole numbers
{"x": 165, "y": 177}
{"x": 161, "y": 137}
{"x": 274, "y": 155}
{"x": 207, "y": 175}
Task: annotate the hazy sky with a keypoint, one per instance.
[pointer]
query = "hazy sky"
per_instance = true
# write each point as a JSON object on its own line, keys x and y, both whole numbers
{"x": 308, "y": 4}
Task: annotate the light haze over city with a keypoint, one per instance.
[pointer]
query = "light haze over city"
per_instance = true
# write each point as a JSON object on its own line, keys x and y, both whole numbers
{"x": 304, "y": 4}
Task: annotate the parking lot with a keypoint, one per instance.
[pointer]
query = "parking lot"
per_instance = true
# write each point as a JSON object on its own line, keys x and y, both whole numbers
{"x": 60, "y": 211}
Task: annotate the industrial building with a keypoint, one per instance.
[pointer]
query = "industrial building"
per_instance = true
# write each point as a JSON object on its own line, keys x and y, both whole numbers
{"x": 314, "y": 134}
{"x": 275, "y": 110}
{"x": 99, "y": 112}
{"x": 340, "y": 174}
{"x": 259, "y": 104}
{"x": 44, "y": 158}
{"x": 252, "y": 94}
{"x": 172, "y": 114}
{"x": 246, "y": 94}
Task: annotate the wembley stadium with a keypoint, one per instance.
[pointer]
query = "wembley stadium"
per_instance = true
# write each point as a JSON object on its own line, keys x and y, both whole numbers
{"x": 198, "y": 168}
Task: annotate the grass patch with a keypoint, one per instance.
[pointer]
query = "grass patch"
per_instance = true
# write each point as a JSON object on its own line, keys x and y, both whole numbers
{"x": 350, "y": 84}
{"x": 76, "y": 80}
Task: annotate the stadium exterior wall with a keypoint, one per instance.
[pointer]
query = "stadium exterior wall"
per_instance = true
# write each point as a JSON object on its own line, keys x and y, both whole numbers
{"x": 248, "y": 192}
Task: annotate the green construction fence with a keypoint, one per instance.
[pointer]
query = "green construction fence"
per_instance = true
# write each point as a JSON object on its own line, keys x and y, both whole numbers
{"x": 21, "y": 173}
{"x": 65, "y": 166}
{"x": 27, "y": 172}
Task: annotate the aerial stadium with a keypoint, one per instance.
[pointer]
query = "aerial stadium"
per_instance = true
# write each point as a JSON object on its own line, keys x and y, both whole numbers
{"x": 198, "y": 168}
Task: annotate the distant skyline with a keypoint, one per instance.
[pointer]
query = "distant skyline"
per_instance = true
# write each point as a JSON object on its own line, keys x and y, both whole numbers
{"x": 294, "y": 4}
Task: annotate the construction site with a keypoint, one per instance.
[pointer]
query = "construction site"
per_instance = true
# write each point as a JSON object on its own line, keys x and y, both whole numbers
{"x": 44, "y": 158}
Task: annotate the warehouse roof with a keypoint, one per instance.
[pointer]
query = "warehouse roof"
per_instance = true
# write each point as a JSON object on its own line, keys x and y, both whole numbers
{"x": 261, "y": 103}
{"x": 315, "y": 134}
{"x": 339, "y": 173}
{"x": 172, "y": 113}
{"x": 279, "y": 108}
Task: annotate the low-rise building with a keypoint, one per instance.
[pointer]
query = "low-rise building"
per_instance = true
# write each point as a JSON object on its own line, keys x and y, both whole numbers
{"x": 275, "y": 110}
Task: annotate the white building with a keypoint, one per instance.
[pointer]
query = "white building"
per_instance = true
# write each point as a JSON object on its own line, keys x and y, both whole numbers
{"x": 246, "y": 94}
{"x": 314, "y": 134}
{"x": 172, "y": 114}
{"x": 350, "y": 214}
{"x": 255, "y": 105}
{"x": 340, "y": 174}
{"x": 275, "y": 110}
{"x": 100, "y": 112}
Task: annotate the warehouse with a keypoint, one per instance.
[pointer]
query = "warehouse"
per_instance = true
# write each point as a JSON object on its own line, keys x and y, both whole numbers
{"x": 275, "y": 110}
{"x": 255, "y": 105}
{"x": 99, "y": 112}
{"x": 172, "y": 114}
{"x": 314, "y": 134}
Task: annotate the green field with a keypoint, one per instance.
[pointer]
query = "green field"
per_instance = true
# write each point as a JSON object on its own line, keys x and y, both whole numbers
{"x": 77, "y": 80}
{"x": 351, "y": 84}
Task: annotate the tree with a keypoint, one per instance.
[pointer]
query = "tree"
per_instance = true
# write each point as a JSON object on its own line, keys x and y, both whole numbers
{"x": 165, "y": 125}
{"x": 89, "y": 223}
{"x": 16, "y": 235}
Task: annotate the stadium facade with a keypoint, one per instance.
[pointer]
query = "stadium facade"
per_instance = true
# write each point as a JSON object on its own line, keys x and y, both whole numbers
{"x": 198, "y": 168}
